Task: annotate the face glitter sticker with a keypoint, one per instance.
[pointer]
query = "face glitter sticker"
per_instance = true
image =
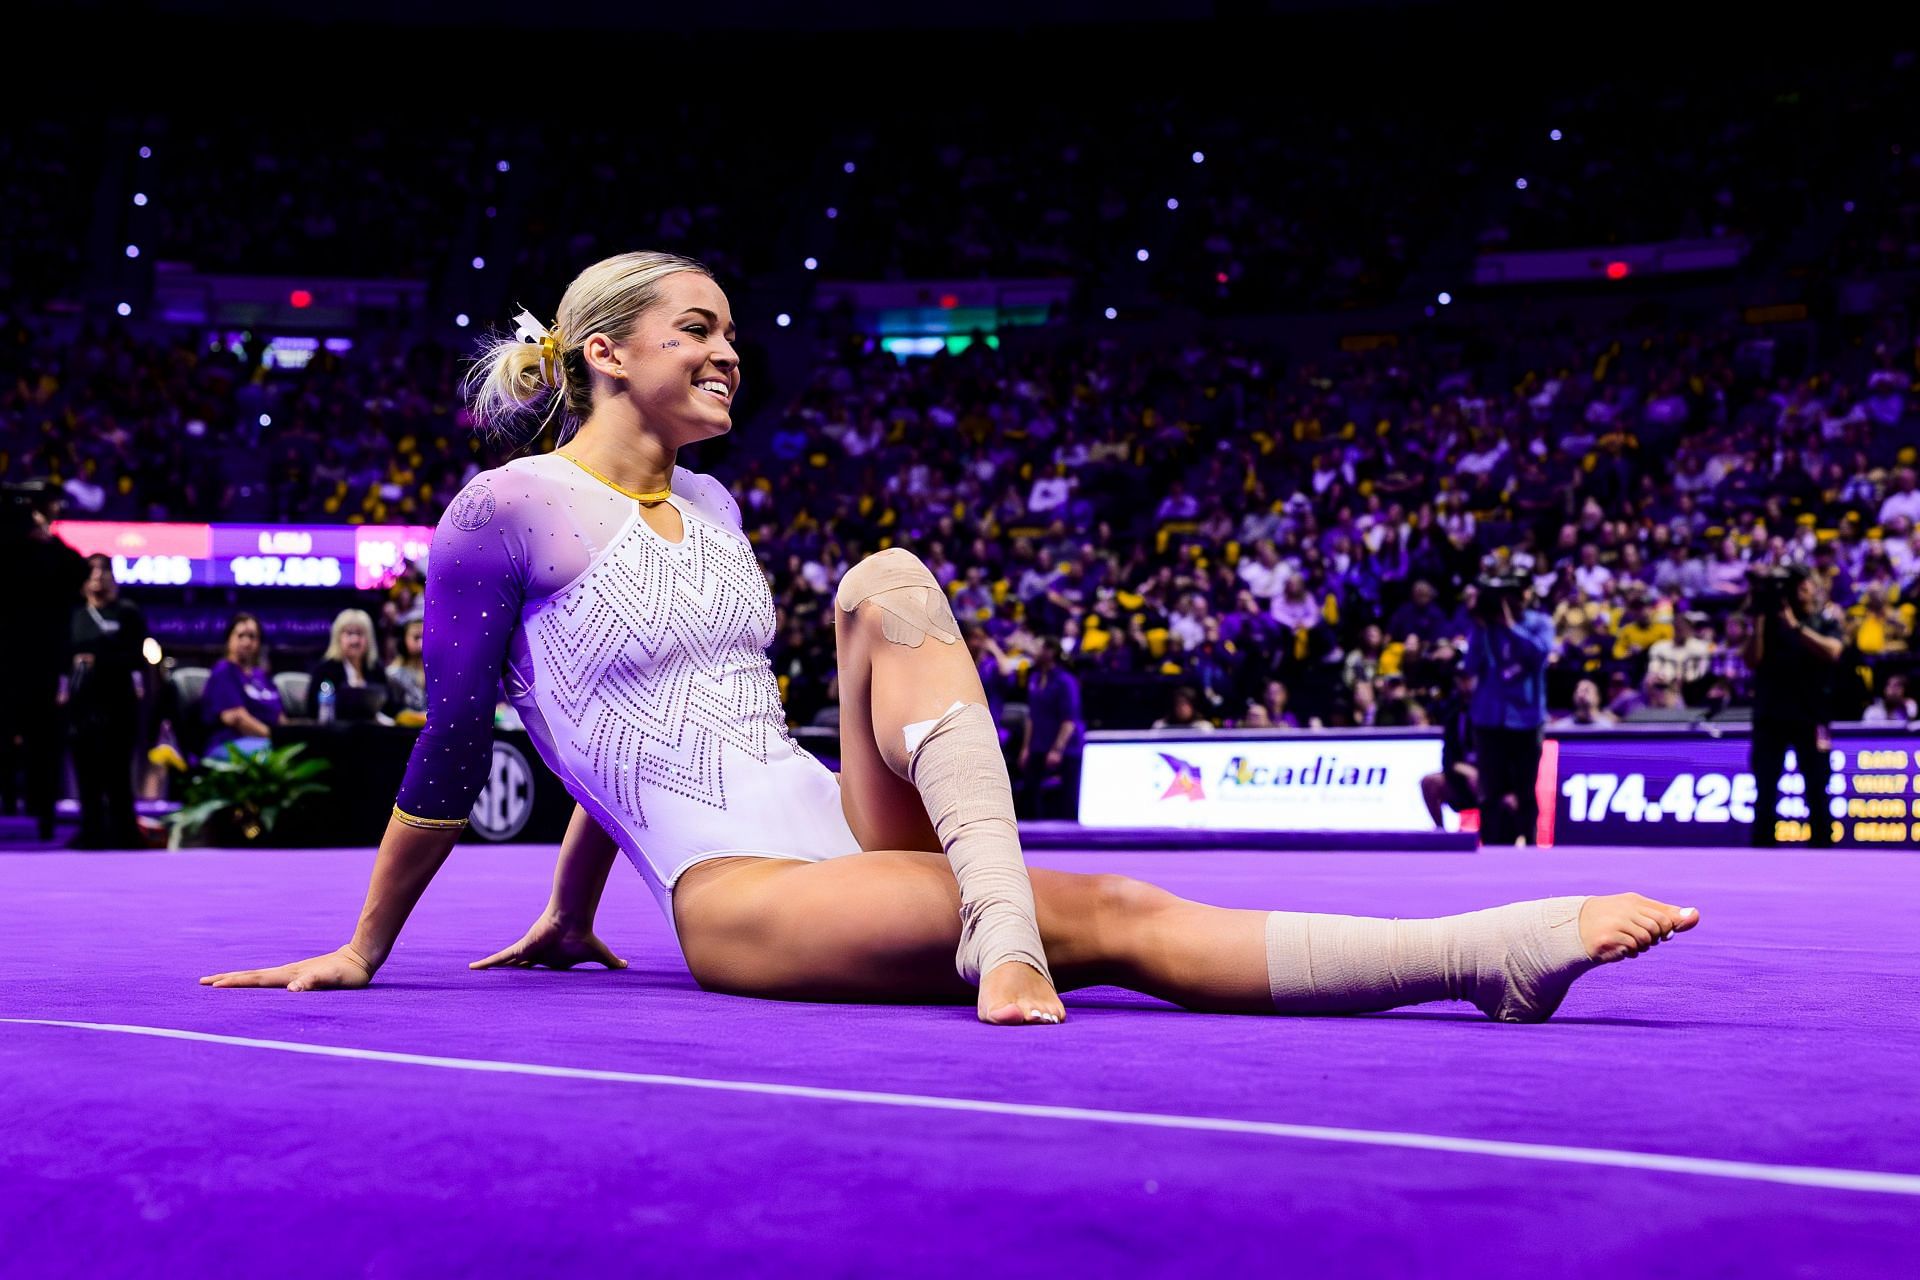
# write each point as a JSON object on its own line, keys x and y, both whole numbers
{"x": 473, "y": 508}
{"x": 674, "y": 343}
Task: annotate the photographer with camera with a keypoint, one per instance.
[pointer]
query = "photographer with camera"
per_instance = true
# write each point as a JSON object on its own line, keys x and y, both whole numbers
{"x": 1794, "y": 651}
{"x": 1507, "y": 654}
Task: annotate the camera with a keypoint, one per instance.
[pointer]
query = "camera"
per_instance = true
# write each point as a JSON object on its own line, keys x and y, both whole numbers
{"x": 1497, "y": 589}
{"x": 20, "y": 500}
{"x": 1771, "y": 587}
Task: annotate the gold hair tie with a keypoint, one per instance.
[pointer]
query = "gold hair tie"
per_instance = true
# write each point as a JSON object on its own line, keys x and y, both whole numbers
{"x": 550, "y": 359}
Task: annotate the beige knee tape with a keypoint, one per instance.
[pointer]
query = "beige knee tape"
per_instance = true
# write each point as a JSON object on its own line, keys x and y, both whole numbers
{"x": 912, "y": 606}
{"x": 962, "y": 779}
{"x": 1514, "y": 962}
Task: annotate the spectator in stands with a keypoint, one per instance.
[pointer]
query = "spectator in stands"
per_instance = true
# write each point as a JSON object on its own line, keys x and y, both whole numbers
{"x": 1050, "y": 495}
{"x": 1296, "y": 608}
{"x": 1623, "y": 697}
{"x": 1460, "y": 622}
{"x": 1680, "y": 574}
{"x": 973, "y": 602}
{"x": 1727, "y": 664}
{"x": 103, "y": 697}
{"x": 1188, "y": 625}
{"x": 1419, "y": 616}
{"x": 1593, "y": 579}
{"x": 1273, "y": 700}
{"x": 1365, "y": 705}
{"x": 1727, "y": 574}
{"x": 1682, "y": 658}
{"x": 1363, "y": 660}
{"x": 1639, "y": 630}
{"x": 1177, "y": 505}
{"x": 1254, "y": 717}
{"x": 1893, "y": 706}
{"x": 1904, "y": 502}
{"x": 997, "y": 670}
{"x": 1184, "y": 713}
{"x": 240, "y": 701}
{"x": 1586, "y": 708}
{"x": 359, "y": 684}
{"x": 1398, "y": 708}
{"x": 1659, "y": 696}
{"x": 1879, "y": 628}
{"x": 407, "y": 674}
{"x": 1265, "y": 573}
{"x": 1050, "y": 752}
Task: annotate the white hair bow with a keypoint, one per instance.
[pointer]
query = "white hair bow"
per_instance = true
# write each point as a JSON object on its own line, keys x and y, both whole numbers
{"x": 528, "y": 329}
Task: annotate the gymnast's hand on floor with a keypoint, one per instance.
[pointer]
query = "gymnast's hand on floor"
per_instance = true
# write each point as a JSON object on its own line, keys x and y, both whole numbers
{"x": 550, "y": 945}
{"x": 341, "y": 970}
{"x": 1015, "y": 994}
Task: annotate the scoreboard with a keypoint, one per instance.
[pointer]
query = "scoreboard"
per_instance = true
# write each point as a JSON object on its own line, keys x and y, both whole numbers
{"x": 356, "y": 557}
{"x": 1636, "y": 787}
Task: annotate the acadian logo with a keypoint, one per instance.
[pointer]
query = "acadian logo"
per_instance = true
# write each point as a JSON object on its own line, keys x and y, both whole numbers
{"x": 1186, "y": 783}
{"x": 1325, "y": 771}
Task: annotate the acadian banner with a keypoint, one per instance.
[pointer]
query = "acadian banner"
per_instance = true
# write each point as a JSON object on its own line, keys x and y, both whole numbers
{"x": 1308, "y": 782}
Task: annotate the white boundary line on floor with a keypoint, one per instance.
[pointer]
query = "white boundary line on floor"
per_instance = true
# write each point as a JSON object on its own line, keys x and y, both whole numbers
{"x": 1905, "y": 1184}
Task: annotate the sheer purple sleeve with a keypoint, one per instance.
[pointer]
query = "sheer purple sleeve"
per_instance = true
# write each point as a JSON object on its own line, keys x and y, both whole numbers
{"x": 476, "y": 583}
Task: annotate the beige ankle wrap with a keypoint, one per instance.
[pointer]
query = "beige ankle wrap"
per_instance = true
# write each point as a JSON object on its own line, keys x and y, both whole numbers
{"x": 1514, "y": 962}
{"x": 962, "y": 779}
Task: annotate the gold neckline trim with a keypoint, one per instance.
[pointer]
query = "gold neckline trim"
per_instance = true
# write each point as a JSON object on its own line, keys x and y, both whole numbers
{"x": 646, "y": 498}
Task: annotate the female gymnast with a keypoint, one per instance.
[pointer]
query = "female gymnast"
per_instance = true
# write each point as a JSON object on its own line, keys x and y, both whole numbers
{"x": 617, "y": 595}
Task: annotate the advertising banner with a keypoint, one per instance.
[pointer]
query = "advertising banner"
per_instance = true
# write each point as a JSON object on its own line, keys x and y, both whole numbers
{"x": 1231, "y": 782}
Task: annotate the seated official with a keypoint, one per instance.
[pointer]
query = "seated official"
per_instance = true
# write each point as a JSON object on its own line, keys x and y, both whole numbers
{"x": 240, "y": 702}
{"x": 360, "y": 690}
{"x": 407, "y": 675}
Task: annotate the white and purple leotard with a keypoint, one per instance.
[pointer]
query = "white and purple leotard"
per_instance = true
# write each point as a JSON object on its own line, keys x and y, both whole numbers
{"x": 638, "y": 664}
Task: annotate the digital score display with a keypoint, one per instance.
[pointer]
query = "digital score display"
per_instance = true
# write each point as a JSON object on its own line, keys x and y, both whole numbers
{"x": 363, "y": 557}
{"x": 1690, "y": 789}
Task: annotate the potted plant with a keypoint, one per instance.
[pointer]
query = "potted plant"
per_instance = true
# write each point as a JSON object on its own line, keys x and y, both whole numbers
{"x": 237, "y": 796}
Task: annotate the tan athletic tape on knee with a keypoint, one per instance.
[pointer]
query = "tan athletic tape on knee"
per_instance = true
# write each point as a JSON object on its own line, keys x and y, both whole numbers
{"x": 958, "y": 770}
{"x": 912, "y": 606}
{"x": 1514, "y": 962}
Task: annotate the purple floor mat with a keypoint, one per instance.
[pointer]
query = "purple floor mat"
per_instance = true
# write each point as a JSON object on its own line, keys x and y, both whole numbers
{"x": 1782, "y": 1033}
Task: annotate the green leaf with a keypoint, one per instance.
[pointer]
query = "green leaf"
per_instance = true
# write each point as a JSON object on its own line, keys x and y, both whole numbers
{"x": 197, "y": 814}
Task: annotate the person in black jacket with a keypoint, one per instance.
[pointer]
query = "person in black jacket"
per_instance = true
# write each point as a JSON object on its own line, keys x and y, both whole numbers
{"x": 44, "y": 575}
{"x": 352, "y": 666}
{"x": 104, "y": 691}
{"x": 1794, "y": 652}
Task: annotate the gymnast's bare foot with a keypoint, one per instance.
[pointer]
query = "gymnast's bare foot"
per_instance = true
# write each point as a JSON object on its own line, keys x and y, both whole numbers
{"x": 1623, "y": 925}
{"x": 1015, "y": 994}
